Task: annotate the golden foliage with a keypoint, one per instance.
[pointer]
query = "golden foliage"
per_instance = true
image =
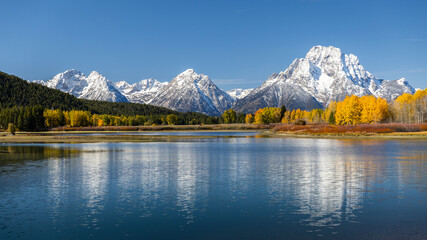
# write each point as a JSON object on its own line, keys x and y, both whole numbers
{"x": 249, "y": 118}
{"x": 355, "y": 110}
{"x": 411, "y": 108}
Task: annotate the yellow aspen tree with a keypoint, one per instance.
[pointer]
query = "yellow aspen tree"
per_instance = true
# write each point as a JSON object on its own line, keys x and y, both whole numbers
{"x": 249, "y": 118}
{"x": 297, "y": 114}
{"x": 403, "y": 107}
{"x": 258, "y": 116}
{"x": 368, "y": 105}
{"x": 353, "y": 110}
{"x": 293, "y": 115}
{"x": 381, "y": 110}
{"x": 287, "y": 117}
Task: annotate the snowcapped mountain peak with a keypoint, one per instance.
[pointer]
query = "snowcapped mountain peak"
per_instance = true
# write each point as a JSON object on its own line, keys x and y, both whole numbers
{"x": 402, "y": 81}
{"x": 239, "y": 93}
{"x": 147, "y": 84}
{"x": 189, "y": 76}
{"x": 321, "y": 54}
{"x": 70, "y": 81}
{"x": 190, "y": 91}
{"x": 96, "y": 75}
{"x": 70, "y": 74}
{"x": 325, "y": 74}
{"x": 94, "y": 87}
{"x": 141, "y": 92}
{"x": 122, "y": 85}
{"x": 102, "y": 89}
{"x": 186, "y": 74}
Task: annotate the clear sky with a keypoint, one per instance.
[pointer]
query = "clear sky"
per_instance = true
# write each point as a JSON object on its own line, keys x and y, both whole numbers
{"x": 236, "y": 43}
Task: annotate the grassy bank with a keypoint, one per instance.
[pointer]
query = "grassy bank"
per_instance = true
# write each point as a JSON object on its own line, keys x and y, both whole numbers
{"x": 380, "y": 136}
{"x": 351, "y": 129}
{"x": 392, "y": 130}
{"x": 77, "y": 135}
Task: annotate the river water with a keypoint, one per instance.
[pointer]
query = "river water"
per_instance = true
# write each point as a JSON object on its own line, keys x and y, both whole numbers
{"x": 239, "y": 187}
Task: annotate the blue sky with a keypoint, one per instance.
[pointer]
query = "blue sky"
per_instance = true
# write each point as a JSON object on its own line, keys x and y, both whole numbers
{"x": 236, "y": 43}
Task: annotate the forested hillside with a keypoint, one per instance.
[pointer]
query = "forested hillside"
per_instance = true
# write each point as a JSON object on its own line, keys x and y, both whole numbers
{"x": 23, "y": 103}
{"x": 15, "y": 91}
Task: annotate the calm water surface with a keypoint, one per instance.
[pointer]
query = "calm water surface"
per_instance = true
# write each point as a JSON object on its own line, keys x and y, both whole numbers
{"x": 219, "y": 188}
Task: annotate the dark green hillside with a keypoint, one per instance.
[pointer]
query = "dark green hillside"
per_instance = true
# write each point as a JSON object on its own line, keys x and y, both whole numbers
{"x": 15, "y": 91}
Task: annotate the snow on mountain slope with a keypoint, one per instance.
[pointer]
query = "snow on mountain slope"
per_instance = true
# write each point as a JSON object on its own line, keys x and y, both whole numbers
{"x": 101, "y": 89}
{"x": 390, "y": 90}
{"x": 239, "y": 93}
{"x": 70, "y": 81}
{"x": 93, "y": 87}
{"x": 327, "y": 75}
{"x": 141, "y": 92}
{"x": 275, "y": 93}
{"x": 193, "y": 92}
{"x": 122, "y": 85}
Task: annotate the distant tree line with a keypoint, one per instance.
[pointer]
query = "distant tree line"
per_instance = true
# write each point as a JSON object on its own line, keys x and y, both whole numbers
{"x": 78, "y": 118}
{"x": 28, "y": 118}
{"x": 35, "y": 118}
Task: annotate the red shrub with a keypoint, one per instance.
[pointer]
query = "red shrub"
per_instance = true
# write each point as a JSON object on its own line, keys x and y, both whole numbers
{"x": 361, "y": 128}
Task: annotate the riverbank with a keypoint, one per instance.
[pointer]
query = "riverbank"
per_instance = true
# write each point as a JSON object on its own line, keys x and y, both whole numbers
{"x": 379, "y": 136}
{"x": 188, "y": 132}
{"x": 93, "y": 137}
{"x": 379, "y": 131}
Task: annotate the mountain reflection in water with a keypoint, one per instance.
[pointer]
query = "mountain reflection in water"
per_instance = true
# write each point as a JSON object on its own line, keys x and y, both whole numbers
{"x": 219, "y": 188}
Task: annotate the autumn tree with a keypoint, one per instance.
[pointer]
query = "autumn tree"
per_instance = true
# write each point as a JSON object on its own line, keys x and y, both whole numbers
{"x": 329, "y": 113}
{"x": 259, "y": 116}
{"x": 411, "y": 108}
{"x": 249, "y": 118}
{"x": 229, "y": 116}
{"x": 172, "y": 119}
{"x": 349, "y": 111}
{"x": 286, "y": 117}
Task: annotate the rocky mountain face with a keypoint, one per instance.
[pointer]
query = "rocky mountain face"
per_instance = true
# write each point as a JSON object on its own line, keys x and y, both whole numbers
{"x": 239, "y": 93}
{"x": 325, "y": 74}
{"x": 141, "y": 92}
{"x": 70, "y": 81}
{"x": 390, "y": 90}
{"x": 193, "y": 92}
{"x": 93, "y": 87}
{"x": 101, "y": 89}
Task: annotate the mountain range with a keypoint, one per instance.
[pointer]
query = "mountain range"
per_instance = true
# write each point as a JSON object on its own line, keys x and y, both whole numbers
{"x": 325, "y": 74}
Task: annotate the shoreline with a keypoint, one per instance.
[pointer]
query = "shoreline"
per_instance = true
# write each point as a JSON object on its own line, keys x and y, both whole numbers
{"x": 81, "y": 137}
{"x": 374, "y": 136}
